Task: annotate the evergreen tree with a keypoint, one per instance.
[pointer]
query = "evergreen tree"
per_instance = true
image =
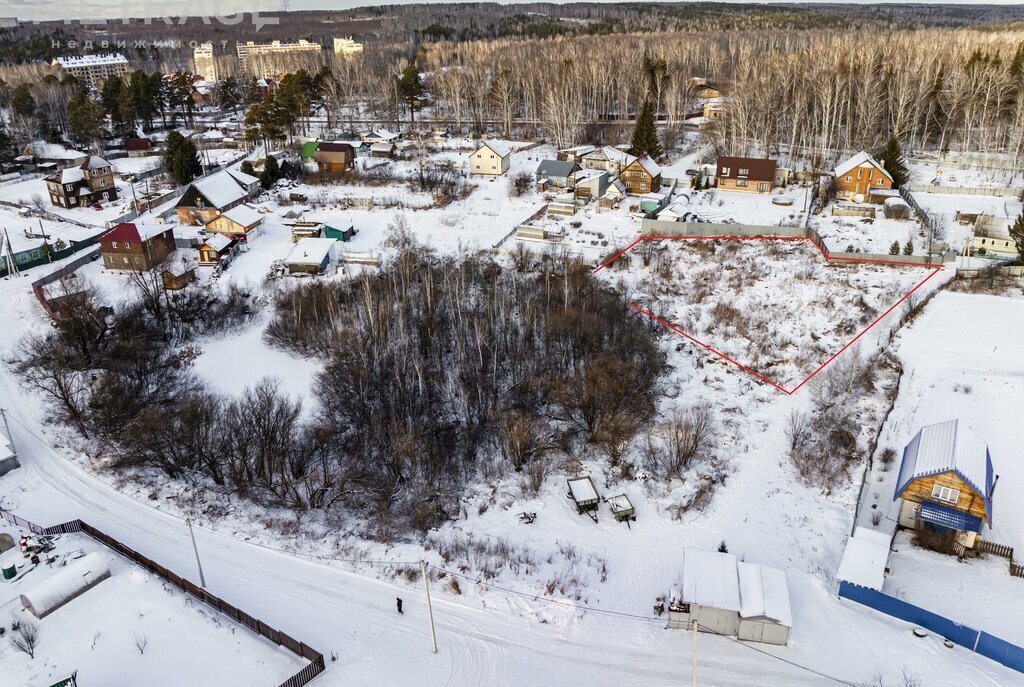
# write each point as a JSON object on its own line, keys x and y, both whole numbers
{"x": 411, "y": 90}
{"x": 908, "y": 247}
{"x": 7, "y": 151}
{"x": 247, "y": 168}
{"x": 271, "y": 172}
{"x": 181, "y": 160}
{"x": 22, "y": 102}
{"x": 1017, "y": 234}
{"x": 84, "y": 118}
{"x": 893, "y": 162}
{"x": 894, "y": 249}
{"x": 645, "y": 135}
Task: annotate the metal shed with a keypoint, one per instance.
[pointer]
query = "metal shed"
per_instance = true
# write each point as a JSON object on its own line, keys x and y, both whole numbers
{"x": 709, "y": 594}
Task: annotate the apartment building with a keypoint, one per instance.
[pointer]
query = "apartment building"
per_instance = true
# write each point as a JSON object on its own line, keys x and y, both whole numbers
{"x": 205, "y": 64}
{"x": 346, "y": 47}
{"x": 93, "y": 70}
{"x": 267, "y": 60}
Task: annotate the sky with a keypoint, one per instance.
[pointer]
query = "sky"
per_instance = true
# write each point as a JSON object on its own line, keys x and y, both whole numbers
{"x": 113, "y": 9}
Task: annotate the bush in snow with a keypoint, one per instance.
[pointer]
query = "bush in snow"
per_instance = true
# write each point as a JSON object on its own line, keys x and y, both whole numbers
{"x": 25, "y": 637}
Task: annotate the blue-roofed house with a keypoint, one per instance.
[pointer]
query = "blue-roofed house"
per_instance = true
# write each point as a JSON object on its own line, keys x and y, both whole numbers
{"x": 946, "y": 482}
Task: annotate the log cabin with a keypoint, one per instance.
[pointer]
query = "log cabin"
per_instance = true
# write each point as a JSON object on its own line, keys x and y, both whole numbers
{"x": 946, "y": 482}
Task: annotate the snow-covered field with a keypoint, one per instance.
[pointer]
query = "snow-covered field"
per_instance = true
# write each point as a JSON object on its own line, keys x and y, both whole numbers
{"x": 183, "y": 641}
{"x": 773, "y": 306}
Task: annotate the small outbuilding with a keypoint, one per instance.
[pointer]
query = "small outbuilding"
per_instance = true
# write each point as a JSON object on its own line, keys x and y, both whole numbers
{"x": 340, "y": 231}
{"x": 65, "y": 585}
{"x": 310, "y": 256}
{"x": 865, "y": 559}
{"x": 215, "y": 249}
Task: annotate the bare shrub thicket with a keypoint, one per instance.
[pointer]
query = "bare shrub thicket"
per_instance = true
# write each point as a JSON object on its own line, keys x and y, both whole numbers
{"x": 520, "y": 183}
{"x": 25, "y": 637}
{"x": 671, "y": 448}
{"x": 435, "y": 363}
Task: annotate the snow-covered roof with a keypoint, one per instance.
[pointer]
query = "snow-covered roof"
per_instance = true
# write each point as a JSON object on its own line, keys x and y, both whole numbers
{"x": 382, "y": 147}
{"x": 130, "y": 231}
{"x": 584, "y": 175}
{"x": 894, "y": 201}
{"x": 221, "y": 189}
{"x": 949, "y": 447}
{"x": 677, "y": 209}
{"x": 66, "y": 584}
{"x": 243, "y": 215}
{"x": 218, "y": 242}
{"x": 764, "y": 593}
{"x": 582, "y": 489}
{"x": 499, "y": 149}
{"x": 241, "y": 177}
{"x": 54, "y": 151}
{"x": 649, "y": 165}
{"x": 864, "y": 559}
{"x": 710, "y": 579}
{"x": 95, "y": 162}
{"x": 310, "y": 251}
{"x": 555, "y": 168}
{"x": 858, "y": 160}
{"x": 71, "y": 175}
{"x": 68, "y": 61}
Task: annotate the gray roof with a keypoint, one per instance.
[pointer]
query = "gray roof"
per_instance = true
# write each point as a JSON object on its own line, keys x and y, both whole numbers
{"x": 556, "y": 168}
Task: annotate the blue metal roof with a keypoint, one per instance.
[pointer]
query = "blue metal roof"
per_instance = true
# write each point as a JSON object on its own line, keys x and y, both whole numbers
{"x": 949, "y": 517}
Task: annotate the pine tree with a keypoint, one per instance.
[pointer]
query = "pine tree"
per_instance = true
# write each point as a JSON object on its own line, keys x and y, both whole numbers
{"x": 412, "y": 91}
{"x": 908, "y": 247}
{"x": 1017, "y": 234}
{"x": 893, "y": 162}
{"x": 271, "y": 172}
{"x": 645, "y": 135}
{"x": 22, "y": 102}
{"x": 894, "y": 249}
{"x": 84, "y": 118}
{"x": 181, "y": 160}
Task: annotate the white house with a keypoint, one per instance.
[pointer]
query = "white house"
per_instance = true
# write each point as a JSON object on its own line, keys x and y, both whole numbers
{"x": 728, "y": 597}
{"x": 490, "y": 158}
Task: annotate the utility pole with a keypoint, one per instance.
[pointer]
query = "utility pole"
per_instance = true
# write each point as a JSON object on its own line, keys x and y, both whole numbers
{"x": 693, "y": 669}
{"x": 430, "y": 610}
{"x": 202, "y": 579}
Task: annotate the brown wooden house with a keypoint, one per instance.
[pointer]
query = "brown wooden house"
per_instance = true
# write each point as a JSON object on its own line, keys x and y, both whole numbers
{"x": 90, "y": 182}
{"x": 748, "y": 174}
{"x": 209, "y": 197}
{"x": 858, "y": 176}
{"x": 642, "y": 175}
{"x": 334, "y": 158}
{"x": 946, "y": 482}
{"x": 136, "y": 247}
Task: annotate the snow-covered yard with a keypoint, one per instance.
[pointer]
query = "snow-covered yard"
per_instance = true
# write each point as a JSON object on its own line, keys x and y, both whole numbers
{"x": 98, "y": 634}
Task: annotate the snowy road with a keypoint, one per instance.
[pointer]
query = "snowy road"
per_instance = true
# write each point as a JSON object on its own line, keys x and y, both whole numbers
{"x": 353, "y": 616}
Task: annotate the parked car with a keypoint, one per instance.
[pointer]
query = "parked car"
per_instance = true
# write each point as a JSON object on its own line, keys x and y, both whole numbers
{"x": 96, "y": 206}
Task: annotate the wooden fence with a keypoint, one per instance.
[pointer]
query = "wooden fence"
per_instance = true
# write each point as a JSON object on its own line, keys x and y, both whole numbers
{"x": 1016, "y": 569}
{"x": 964, "y": 190}
{"x": 315, "y": 658}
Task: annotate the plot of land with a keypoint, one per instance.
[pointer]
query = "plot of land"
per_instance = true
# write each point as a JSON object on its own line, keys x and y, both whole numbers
{"x": 772, "y": 307}
{"x": 96, "y": 634}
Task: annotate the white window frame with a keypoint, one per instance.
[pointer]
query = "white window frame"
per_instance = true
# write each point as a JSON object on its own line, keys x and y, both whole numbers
{"x": 945, "y": 494}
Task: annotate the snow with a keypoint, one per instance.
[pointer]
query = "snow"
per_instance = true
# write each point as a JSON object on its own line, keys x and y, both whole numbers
{"x": 764, "y": 593}
{"x": 582, "y": 490}
{"x": 948, "y": 447}
{"x": 243, "y": 215}
{"x": 98, "y": 59}
{"x": 65, "y": 585}
{"x": 310, "y": 251}
{"x": 218, "y": 242}
{"x": 220, "y": 189}
{"x": 54, "y": 151}
{"x": 864, "y": 559}
{"x": 710, "y": 579}
{"x": 649, "y": 165}
{"x": 71, "y": 175}
{"x": 241, "y": 177}
{"x": 498, "y": 148}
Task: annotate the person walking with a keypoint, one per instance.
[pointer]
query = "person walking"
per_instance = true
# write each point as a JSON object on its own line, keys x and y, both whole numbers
{"x": 399, "y": 601}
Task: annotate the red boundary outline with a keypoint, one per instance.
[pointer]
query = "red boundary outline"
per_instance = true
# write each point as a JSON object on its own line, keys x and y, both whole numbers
{"x": 934, "y": 269}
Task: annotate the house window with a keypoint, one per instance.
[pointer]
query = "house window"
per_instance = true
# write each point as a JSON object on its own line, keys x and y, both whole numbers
{"x": 941, "y": 493}
{"x": 860, "y": 173}
{"x": 103, "y": 183}
{"x": 741, "y": 182}
{"x": 725, "y": 172}
{"x": 115, "y": 244}
{"x": 72, "y": 200}
{"x": 67, "y": 187}
{"x": 848, "y": 178}
{"x": 744, "y": 172}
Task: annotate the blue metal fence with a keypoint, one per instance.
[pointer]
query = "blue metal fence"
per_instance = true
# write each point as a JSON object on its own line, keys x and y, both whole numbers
{"x": 982, "y": 643}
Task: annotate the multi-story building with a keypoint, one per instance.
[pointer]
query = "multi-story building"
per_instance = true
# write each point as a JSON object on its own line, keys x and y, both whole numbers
{"x": 90, "y": 182}
{"x": 266, "y": 60}
{"x": 136, "y": 247}
{"x": 93, "y": 70}
{"x": 10, "y": 23}
{"x": 346, "y": 47}
{"x": 205, "y": 64}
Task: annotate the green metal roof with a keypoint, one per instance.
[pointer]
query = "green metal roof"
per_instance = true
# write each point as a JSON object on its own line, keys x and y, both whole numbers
{"x": 309, "y": 148}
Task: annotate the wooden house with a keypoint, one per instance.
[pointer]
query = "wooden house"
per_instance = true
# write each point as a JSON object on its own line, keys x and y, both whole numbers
{"x": 613, "y": 195}
{"x": 746, "y": 174}
{"x": 90, "y": 182}
{"x": 584, "y": 494}
{"x": 724, "y": 596}
{"x": 209, "y": 197}
{"x": 702, "y": 88}
{"x": 306, "y": 230}
{"x": 386, "y": 150}
{"x": 216, "y": 248}
{"x": 178, "y": 277}
{"x": 858, "y": 176}
{"x": 138, "y": 147}
{"x": 310, "y": 256}
{"x": 641, "y": 176}
{"x": 607, "y": 159}
{"x": 136, "y": 247}
{"x": 240, "y": 222}
{"x": 590, "y": 183}
{"x": 491, "y": 158}
{"x": 334, "y": 158}
{"x": 946, "y": 482}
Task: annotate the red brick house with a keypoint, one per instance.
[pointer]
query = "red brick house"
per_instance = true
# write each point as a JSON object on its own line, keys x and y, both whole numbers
{"x": 136, "y": 247}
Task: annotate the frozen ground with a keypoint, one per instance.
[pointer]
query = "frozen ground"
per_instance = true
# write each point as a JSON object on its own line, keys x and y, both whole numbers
{"x": 962, "y": 359}
{"x": 869, "y": 235}
{"x": 773, "y": 306}
{"x": 187, "y": 643}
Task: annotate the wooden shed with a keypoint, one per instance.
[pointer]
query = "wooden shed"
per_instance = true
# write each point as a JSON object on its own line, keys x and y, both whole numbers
{"x": 178, "y": 277}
